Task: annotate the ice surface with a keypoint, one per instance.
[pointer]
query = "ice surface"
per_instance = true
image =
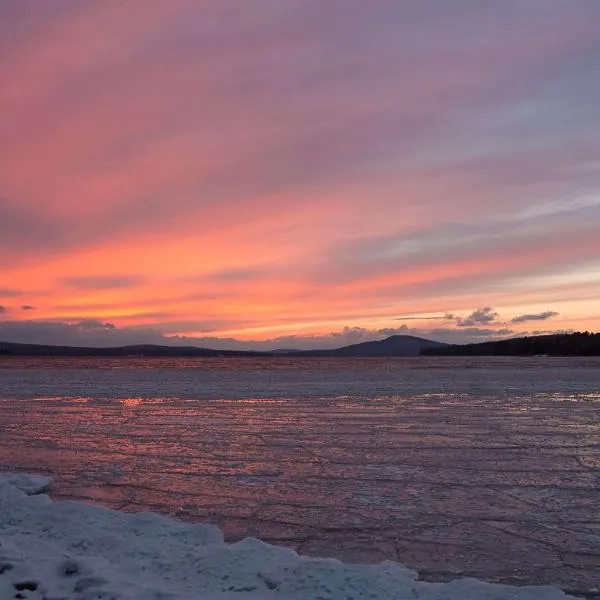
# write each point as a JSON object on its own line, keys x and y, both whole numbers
{"x": 485, "y": 467}
{"x": 281, "y": 377}
{"x": 72, "y": 550}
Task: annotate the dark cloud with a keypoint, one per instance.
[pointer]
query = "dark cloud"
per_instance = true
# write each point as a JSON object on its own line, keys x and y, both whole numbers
{"x": 475, "y": 332}
{"x": 2, "y": 309}
{"x": 544, "y": 316}
{"x": 8, "y": 293}
{"x": 103, "y": 283}
{"x": 94, "y": 325}
{"x": 478, "y": 317}
{"x": 87, "y": 332}
{"x": 27, "y": 307}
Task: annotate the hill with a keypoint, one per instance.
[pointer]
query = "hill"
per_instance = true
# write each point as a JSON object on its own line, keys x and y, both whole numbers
{"x": 573, "y": 344}
{"x": 396, "y": 345}
{"x": 15, "y": 349}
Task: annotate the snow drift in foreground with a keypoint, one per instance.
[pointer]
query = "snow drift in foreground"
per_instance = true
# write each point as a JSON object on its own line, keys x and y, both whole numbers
{"x": 70, "y": 550}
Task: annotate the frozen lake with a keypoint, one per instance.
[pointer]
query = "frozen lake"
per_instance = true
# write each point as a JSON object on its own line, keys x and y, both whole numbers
{"x": 487, "y": 467}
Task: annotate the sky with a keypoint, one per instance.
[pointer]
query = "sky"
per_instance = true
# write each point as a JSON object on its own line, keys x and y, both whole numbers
{"x": 298, "y": 173}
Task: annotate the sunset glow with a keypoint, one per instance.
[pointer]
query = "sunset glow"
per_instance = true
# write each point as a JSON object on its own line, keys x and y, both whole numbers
{"x": 298, "y": 173}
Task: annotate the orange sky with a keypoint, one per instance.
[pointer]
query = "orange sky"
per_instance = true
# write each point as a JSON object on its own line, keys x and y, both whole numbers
{"x": 293, "y": 173}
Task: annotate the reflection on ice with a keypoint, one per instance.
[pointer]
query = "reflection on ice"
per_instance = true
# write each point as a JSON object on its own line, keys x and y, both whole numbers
{"x": 73, "y": 551}
{"x": 472, "y": 480}
{"x": 131, "y": 402}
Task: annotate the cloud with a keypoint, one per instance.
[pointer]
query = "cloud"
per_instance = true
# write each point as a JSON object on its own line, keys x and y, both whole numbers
{"x": 240, "y": 275}
{"x": 406, "y": 157}
{"x": 27, "y": 307}
{"x": 85, "y": 332}
{"x": 440, "y": 256}
{"x": 92, "y": 332}
{"x": 477, "y": 317}
{"x": 544, "y": 316}
{"x": 94, "y": 325}
{"x": 2, "y": 308}
{"x": 103, "y": 283}
{"x": 444, "y": 317}
{"x": 8, "y": 293}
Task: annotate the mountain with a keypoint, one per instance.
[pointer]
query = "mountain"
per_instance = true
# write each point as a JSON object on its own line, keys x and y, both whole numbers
{"x": 575, "y": 344}
{"x": 564, "y": 344}
{"x": 15, "y": 349}
{"x": 396, "y": 345}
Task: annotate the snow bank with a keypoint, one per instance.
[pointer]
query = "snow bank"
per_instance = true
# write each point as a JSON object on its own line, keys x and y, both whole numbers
{"x": 70, "y": 550}
{"x": 30, "y": 484}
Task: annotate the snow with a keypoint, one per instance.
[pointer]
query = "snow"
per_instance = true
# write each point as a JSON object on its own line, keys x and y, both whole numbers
{"x": 71, "y": 550}
{"x": 30, "y": 484}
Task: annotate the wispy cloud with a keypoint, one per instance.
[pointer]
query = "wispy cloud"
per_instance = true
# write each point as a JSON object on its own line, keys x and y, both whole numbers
{"x": 444, "y": 317}
{"x": 543, "y": 316}
{"x": 103, "y": 282}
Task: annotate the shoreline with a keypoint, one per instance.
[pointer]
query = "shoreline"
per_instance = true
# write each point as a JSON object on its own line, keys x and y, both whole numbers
{"x": 69, "y": 549}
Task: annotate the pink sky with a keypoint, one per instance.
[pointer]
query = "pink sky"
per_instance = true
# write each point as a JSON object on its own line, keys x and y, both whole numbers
{"x": 296, "y": 172}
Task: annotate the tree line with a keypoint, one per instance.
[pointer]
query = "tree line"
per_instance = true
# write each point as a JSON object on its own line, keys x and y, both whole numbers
{"x": 567, "y": 344}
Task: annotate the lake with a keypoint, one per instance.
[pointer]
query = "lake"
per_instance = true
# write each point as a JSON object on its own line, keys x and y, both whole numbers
{"x": 487, "y": 467}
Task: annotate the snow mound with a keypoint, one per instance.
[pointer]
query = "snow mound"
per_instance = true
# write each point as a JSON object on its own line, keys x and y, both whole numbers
{"x": 30, "y": 484}
{"x": 74, "y": 551}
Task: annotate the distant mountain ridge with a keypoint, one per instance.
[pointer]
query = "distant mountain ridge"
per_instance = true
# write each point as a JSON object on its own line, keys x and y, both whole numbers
{"x": 16, "y": 349}
{"x": 396, "y": 345}
{"x": 575, "y": 344}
